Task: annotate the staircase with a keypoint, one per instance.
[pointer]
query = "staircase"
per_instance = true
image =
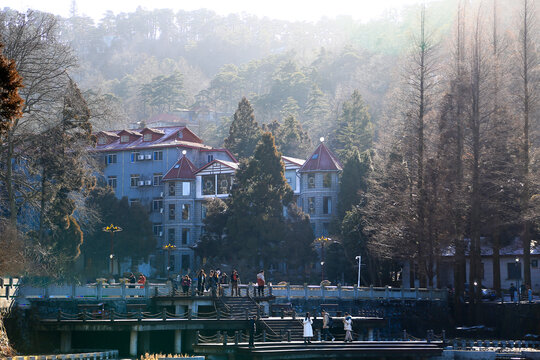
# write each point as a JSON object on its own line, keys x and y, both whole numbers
{"x": 236, "y": 307}
{"x": 281, "y": 326}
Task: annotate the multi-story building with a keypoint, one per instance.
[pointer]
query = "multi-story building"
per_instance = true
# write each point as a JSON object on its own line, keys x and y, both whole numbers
{"x": 171, "y": 172}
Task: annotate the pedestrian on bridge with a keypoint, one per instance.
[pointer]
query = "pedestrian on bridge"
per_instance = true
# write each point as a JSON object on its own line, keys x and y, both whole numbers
{"x": 308, "y": 329}
{"x": 252, "y": 330}
{"x": 327, "y": 322}
{"x": 201, "y": 280}
{"x": 347, "y": 326}
{"x": 235, "y": 279}
{"x": 260, "y": 283}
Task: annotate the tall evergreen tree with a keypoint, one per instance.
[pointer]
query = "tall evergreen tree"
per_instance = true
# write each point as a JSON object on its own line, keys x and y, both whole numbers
{"x": 316, "y": 113}
{"x": 291, "y": 139}
{"x": 354, "y": 130}
{"x": 353, "y": 182}
{"x": 244, "y": 133}
{"x": 256, "y": 224}
{"x": 10, "y": 101}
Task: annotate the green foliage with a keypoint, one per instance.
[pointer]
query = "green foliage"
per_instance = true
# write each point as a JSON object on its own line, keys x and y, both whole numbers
{"x": 244, "y": 133}
{"x": 164, "y": 93}
{"x": 291, "y": 139}
{"x": 354, "y": 130}
{"x": 353, "y": 182}
{"x": 297, "y": 244}
{"x": 256, "y": 225}
{"x": 136, "y": 240}
{"x": 316, "y": 113}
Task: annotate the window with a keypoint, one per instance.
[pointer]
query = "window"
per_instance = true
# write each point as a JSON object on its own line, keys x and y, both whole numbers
{"x": 327, "y": 205}
{"x": 171, "y": 236}
{"x": 111, "y": 181}
{"x": 311, "y": 181}
{"x": 133, "y": 202}
{"x": 102, "y": 140}
{"x": 224, "y": 183}
{"x": 534, "y": 263}
{"x": 124, "y": 138}
{"x": 180, "y": 134}
{"x": 185, "y": 262}
{"x": 156, "y": 180}
{"x": 209, "y": 184}
{"x": 134, "y": 180}
{"x": 158, "y": 230}
{"x": 172, "y": 189}
{"x": 186, "y": 187}
{"x": 172, "y": 210}
{"x": 158, "y": 155}
{"x": 185, "y": 211}
{"x": 185, "y": 236}
{"x": 147, "y": 136}
{"x": 327, "y": 180}
{"x": 204, "y": 209}
{"x": 111, "y": 159}
{"x": 157, "y": 205}
{"x": 135, "y": 156}
{"x": 210, "y": 158}
{"x": 514, "y": 270}
{"x": 311, "y": 205}
{"x": 289, "y": 180}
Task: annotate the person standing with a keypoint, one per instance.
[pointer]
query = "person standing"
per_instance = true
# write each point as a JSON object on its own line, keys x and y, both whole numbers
{"x": 260, "y": 283}
{"x": 186, "y": 283}
{"x": 223, "y": 280}
{"x": 512, "y": 291}
{"x": 347, "y": 326}
{"x": 201, "y": 282}
{"x": 326, "y": 325}
{"x": 308, "y": 329}
{"x": 252, "y": 330}
{"x": 235, "y": 279}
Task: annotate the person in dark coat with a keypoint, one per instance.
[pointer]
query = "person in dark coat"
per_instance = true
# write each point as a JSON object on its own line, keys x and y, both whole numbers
{"x": 201, "y": 282}
{"x": 252, "y": 330}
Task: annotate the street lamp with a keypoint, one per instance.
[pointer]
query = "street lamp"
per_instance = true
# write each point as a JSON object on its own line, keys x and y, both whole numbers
{"x": 518, "y": 277}
{"x": 359, "y": 258}
{"x": 112, "y": 229}
{"x": 322, "y": 241}
{"x": 169, "y": 247}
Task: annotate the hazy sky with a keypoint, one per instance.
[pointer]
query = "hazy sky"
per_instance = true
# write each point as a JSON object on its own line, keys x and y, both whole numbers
{"x": 303, "y": 10}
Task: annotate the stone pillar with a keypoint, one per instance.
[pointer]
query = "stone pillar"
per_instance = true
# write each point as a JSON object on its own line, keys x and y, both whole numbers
{"x": 195, "y": 309}
{"x": 65, "y": 341}
{"x": 370, "y": 334}
{"x": 178, "y": 341}
{"x": 133, "y": 343}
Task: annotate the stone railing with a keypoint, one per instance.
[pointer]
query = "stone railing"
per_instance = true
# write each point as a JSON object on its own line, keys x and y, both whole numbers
{"x": 101, "y": 291}
{"x": 98, "y": 355}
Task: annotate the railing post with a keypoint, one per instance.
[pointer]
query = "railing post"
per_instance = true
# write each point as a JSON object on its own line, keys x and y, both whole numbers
{"x": 282, "y": 313}
{"x": 247, "y": 313}
{"x": 236, "y": 337}
{"x": 218, "y": 313}
{"x": 371, "y": 295}
{"x": 123, "y": 287}
{"x": 84, "y": 315}
{"x": 355, "y": 291}
{"x": 431, "y": 294}
{"x": 288, "y": 335}
{"x": 189, "y": 314}
{"x": 387, "y": 292}
{"x": 59, "y": 315}
{"x": 197, "y": 333}
{"x": 322, "y": 291}
{"x": 416, "y": 293}
{"x": 305, "y": 291}
{"x": 139, "y": 316}
{"x": 73, "y": 291}
{"x": 111, "y": 314}
{"x": 339, "y": 291}
{"x": 444, "y": 337}
{"x": 264, "y": 335}
{"x": 288, "y": 291}
{"x": 318, "y": 332}
{"x": 270, "y": 289}
{"x": 99, "y": 290}
{"x": 404, "y": 335}
{"x": 225, "y": 338}
{"x": 164, "y": 314}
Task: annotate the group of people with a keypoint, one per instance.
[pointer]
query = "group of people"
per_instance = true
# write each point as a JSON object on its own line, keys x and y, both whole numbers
{"x": 307, "y": 322}
{"x": 525, "y": 292}
{"x": 214, "y": 282}
{"x": 133, "y": 280}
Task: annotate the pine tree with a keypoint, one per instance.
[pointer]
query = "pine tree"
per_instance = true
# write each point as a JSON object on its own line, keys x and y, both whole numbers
{"x": 244, "y": 132}
{"x": 10, "y": 101}
{"x": 291, "y": 138}
{"x": 256, "y": 224}
{"x": 353, "y": 182}
{"x": 354, "y": 130}
{"x": 316, "y": 114}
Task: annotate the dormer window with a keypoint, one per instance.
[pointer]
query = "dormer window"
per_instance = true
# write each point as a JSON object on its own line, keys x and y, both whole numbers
{"x": 180, "y": 134}
{"x": 147, "y": 136}
{"x": 102, "y": 140}
{"x": 124, "y": 138}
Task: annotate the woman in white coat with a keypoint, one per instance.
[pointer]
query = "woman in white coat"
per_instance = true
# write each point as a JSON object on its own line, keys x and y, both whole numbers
{"x": 308, "y": 329}
{"x": 347, "y": 326}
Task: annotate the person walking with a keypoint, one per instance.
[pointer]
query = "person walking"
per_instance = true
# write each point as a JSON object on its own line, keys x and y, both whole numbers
{"x": 308, "y": 329}
{"x": 235, "y": 279}
{"x": 201, "y": 282}
{"x": 260, "y": 283}
{"x": 223, "y": 280}
{"x": 512, "y": 291}
{"x": 213, "y": 282}
{"x": 347, "y": 326}
{"x": 326, "y": 325}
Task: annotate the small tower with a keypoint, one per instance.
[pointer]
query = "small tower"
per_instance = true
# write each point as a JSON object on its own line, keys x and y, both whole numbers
{"x": 319, "y": 188}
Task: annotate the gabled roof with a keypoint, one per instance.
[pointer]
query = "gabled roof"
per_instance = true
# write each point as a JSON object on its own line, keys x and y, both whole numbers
{"x": 322, "y": 159}
{"x": 231, "y": 156}
{"x": 293, "y": 161}
{"x": 218, "y": 165}
{"x": 152, "y": 130}
{"x": 169, "y": 139}
{"x": 109, "y": 134}
{"x": 182, "y": 170}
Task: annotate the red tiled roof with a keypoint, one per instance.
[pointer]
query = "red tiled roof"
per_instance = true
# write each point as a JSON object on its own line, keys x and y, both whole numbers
{"x": 322, "y": 159}
{"x": 169, "y": 139}
{"x": 152, "y": 130}
{"x": 182, "y": 170}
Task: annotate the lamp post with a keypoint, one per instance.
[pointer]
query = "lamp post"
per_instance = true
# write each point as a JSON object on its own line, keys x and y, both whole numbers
{"x": 359, "y": 258}
{"x": 322, "y": 241}
{"x": 169, "y": 247}
{"x": 518, "y": 277}
{"x": 112, "y": 229}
